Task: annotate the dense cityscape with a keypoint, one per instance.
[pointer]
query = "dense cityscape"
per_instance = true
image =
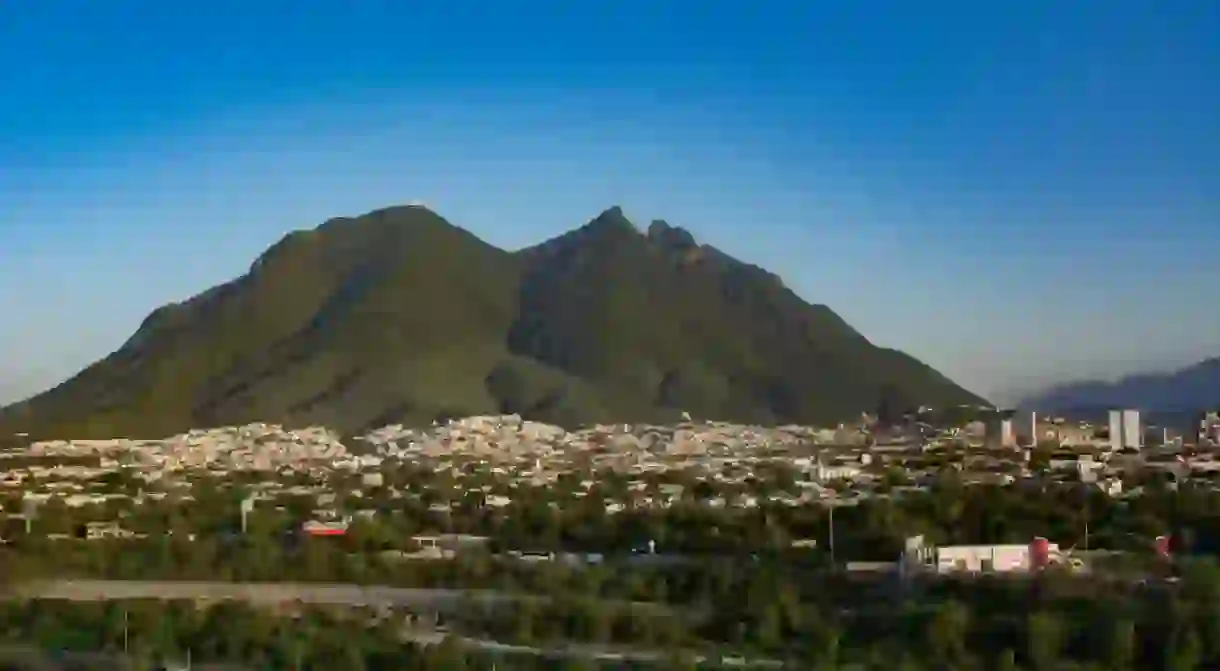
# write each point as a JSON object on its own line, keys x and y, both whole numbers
{"x": 495, "y": 539}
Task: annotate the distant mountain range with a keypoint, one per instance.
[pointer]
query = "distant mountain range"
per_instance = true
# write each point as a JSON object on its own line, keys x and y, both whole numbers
{"x": 399, "y": 316}
{"x": 1186, "y": 390}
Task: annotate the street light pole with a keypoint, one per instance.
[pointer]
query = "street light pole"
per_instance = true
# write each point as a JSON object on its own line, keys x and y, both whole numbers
{"x": 832, "y": 536}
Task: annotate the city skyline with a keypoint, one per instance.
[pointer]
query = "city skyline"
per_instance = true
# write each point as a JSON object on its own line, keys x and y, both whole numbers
{"x": 1007, "y": 195}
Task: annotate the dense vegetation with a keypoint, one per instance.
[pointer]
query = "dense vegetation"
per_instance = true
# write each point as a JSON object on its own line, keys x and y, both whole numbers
{"x": 1051, "y": 623}
{"x": 399, "y": 316}
{"x": 727, "y": 581}
{"x": 147, "y": 634}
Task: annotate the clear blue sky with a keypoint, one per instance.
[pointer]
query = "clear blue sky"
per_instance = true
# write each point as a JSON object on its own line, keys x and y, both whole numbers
{"x": 1015, "y": 192}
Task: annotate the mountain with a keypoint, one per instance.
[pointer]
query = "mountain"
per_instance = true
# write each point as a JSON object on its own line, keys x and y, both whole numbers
{"x": 399, "y": 316}
{"x": 1192, "y": 388}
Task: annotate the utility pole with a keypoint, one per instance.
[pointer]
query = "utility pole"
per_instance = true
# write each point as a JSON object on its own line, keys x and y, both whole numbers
{"x": 247, "y": 507}
{"x": 29, "y": 510}
{"x": 1085, "y": 508}
{"x": 833, "y": 565}
{"x": 124, "y": 631}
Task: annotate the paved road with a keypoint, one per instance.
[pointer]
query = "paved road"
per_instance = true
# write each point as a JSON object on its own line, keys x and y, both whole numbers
{"x": 432, "y": 600}
{"x": 263, "y": 593}
{"x": 423, "y": 600}
{"x": 604, "y": 653}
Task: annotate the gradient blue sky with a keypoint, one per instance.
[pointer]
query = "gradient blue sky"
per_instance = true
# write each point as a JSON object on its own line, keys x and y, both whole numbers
{"x": 1015, "y": 192}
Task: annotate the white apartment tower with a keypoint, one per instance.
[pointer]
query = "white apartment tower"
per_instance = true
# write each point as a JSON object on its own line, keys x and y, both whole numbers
{"x": 1126, "y": 430}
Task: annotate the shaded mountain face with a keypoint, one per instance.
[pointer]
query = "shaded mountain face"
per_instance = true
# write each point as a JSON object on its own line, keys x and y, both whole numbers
{"x": 399, "y": 316}
{"x": 1189, "y": 389}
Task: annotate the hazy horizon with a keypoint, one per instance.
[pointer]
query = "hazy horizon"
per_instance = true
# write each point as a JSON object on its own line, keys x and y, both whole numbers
{"x": 1016, "y": 194}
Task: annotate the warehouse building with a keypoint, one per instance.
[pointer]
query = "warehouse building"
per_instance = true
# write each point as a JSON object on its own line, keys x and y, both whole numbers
{"x": 1012, "y": 558}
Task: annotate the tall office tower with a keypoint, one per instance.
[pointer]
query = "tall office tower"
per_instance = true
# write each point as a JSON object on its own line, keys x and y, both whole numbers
{"x": 1008, "y": 437}
{"x": 1133, "y": 430}
{"x": 1209, "y": 422}
{"x": 991, "y": 430}
{"x": 997, "y": 429}
{"x": 1025, "y": 425}
{"x": 1116, "y": 430}
{"x": 1126, "y": 430}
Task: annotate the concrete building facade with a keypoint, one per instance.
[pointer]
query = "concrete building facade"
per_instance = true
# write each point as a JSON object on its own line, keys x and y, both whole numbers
{"x": 1038, "y": 554}
{"x": 1209, "y": 427}
{"x": 1126, "y": 430}
{"x": 1025, "y": 427}
{"x": 998, "y": 430}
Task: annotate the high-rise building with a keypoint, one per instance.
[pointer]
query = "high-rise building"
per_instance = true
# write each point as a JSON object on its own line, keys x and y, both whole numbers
{"x": 1126, "y": 430}
{"x": 1133, "y": 429}
{"x": 1025, "y": 426}
{"x": 998, "y": 429}
{"x": 1209, "y": 427}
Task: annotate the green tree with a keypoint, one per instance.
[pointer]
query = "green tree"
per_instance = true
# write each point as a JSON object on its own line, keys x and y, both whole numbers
{"x": 1121, "y": 654}
{"x": 1044, "y": 640}
{"x": 448, "y": 655}
{"x": 1184, "y": 653}
{"x": 1007, "y": 661}
{"x": 946, "y": 634}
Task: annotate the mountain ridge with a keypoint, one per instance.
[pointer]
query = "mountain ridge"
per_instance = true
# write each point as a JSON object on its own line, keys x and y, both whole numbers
{"x": 1186, "y": 389}
{"x": 400, "y": 315}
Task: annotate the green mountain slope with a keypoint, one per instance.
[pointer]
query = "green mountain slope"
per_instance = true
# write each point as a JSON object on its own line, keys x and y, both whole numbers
{"x": 399, "y": 316}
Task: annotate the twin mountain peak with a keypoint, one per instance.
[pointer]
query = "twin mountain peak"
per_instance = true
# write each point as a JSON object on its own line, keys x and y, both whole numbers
{"x": 398, "y": 316}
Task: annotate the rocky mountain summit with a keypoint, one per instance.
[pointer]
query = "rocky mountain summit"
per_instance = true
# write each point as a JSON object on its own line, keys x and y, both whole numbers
{"x": 398, "y": 316}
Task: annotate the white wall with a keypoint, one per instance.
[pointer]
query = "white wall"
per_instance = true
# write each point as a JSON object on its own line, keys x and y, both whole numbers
{"x": 973, "y": 558}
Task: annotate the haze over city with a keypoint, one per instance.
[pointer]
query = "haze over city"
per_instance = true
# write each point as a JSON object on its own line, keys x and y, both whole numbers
{"x": 1015, "y": 193}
